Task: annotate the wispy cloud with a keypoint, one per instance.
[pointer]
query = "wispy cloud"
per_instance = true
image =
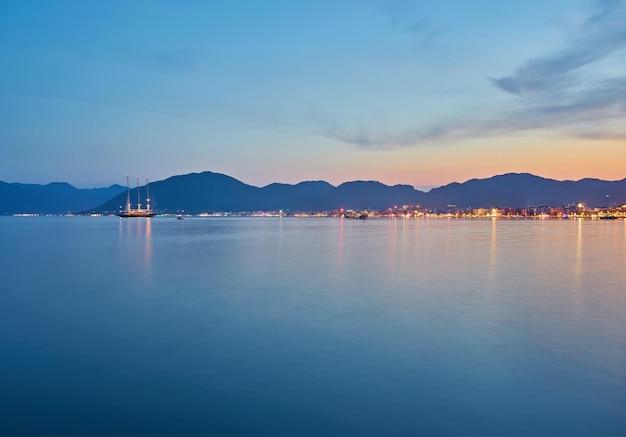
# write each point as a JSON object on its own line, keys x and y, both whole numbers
{"x": 603, "y": 34}
{"x": 175, "y": 61}
{"x": 580, "y": 88}
{"x": 405, "y": 16}
{"x": 579, "y": 91}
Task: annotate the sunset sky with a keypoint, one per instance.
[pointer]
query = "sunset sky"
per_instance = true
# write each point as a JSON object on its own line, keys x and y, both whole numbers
{"x": 413, "y": 92}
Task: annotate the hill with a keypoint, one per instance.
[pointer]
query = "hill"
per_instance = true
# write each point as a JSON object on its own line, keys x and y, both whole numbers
{"x": 524, "y": 189}
{"x": 53, "y": 198}
{"x": 211, "y": 192}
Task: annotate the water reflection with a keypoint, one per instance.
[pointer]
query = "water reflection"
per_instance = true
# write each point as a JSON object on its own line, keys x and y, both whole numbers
{"x": 135, "y": 236}
{"x": 340, "y": 245}
{"x": 393, "y": 244}
{"x": 147, "y": 253}
{"x": 492, "y": 251}
{"x": 579, "y": 251}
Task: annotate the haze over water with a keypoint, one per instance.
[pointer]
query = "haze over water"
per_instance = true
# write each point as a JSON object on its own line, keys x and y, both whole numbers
{"x": 250, "y": 326}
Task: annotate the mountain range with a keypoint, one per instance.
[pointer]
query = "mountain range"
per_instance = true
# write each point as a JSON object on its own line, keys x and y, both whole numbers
{"x": 210, "y": 192}
{"x": 53, "y": 198}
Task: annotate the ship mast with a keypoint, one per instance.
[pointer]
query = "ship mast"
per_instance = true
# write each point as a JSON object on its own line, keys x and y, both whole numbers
{"x": 127, "y": 194}
{"x": 138, "y": 195}
{"x": 147, "y": 196}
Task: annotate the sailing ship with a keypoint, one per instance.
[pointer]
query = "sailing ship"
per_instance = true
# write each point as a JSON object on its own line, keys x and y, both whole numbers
{"x": 139, "y": 211}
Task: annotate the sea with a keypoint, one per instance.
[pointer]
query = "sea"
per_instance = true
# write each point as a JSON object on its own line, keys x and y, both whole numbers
{"x": 290, "y": 326}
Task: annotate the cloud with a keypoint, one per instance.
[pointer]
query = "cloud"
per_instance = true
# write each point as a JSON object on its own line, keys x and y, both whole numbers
{"x": 173, "y": 61}
{"x": 405, "y": 17}
{"x": 366, "y": 139}
{"x": 603, "y": 34}
{"x": 578, "y": 91}
{"x": 595, "y": 114}
{"x": 576, "y": 85}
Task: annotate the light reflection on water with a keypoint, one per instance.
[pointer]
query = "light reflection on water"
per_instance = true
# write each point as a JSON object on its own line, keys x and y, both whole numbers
{"x": 135, "y": 237}
{"x": 312, "y": 326}
{"x": 492, "y": 252}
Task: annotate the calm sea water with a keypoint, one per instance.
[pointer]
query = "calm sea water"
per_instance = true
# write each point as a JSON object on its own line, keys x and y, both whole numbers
{"x": 249, "y": 326}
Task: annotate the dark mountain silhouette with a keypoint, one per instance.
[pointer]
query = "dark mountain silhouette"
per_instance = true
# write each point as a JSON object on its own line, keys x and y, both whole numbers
{"x": 302, "y": 196}
{"x": 524, "y": 189}
{"x": 191, "y": 192}
{"x": 54, "y": 198}
{"x": 372, "y": 195}
{"x": 210, "y": 192}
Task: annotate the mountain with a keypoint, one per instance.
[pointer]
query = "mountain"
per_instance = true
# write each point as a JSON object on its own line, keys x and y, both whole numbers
{"x": 372, "y": 195}
{"x": 210, "y": 192}
{"x": 524, "y": 189}
{"x": 302, "y": 196}
{"x": 54, "y": 198}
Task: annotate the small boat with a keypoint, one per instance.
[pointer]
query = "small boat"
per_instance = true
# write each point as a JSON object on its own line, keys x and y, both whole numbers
{"x": 608, "y": 217}
{"x": 137, "y": 212}
{"x": 180, "y": 217}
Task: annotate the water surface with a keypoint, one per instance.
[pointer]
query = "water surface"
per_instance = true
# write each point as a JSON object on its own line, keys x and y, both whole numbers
{"x": 251, "y": 326}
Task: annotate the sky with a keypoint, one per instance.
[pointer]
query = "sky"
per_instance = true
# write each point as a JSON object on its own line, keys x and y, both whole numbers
{"x": 422, "y": 93}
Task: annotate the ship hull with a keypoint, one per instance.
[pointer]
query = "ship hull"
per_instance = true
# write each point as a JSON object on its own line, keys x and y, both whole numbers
{"x": 129, "y": 214}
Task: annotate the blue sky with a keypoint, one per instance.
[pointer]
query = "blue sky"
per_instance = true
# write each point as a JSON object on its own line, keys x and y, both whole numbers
{"x": 414, "y": 92}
